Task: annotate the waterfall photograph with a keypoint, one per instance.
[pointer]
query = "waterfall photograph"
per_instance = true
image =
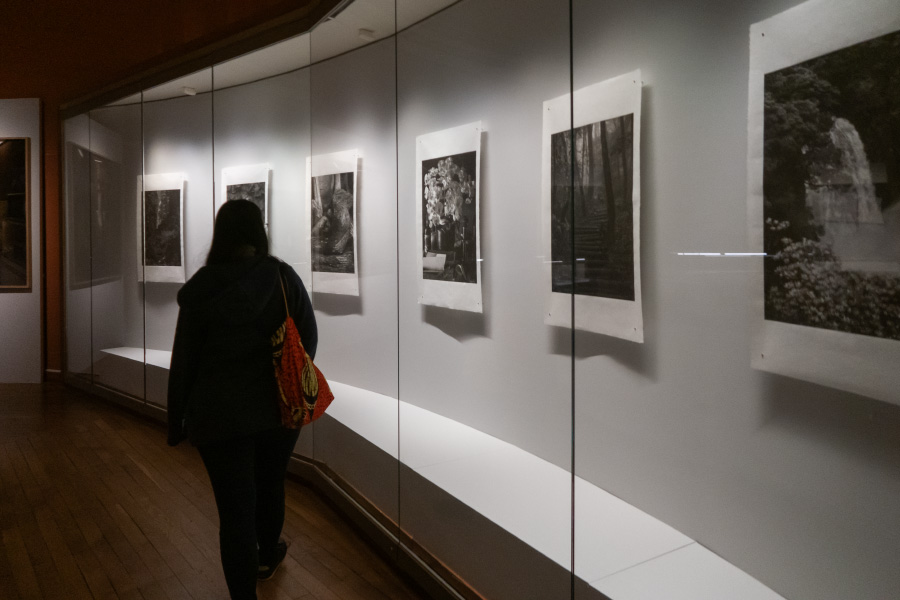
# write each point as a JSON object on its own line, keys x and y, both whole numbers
{"x": 831, "y": 187}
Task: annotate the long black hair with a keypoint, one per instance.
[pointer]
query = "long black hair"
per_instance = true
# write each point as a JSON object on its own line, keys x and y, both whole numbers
{"x": 238, "y": 233}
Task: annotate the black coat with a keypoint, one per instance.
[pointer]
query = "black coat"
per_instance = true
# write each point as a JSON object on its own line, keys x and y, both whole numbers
{"x": 221, "y": 380}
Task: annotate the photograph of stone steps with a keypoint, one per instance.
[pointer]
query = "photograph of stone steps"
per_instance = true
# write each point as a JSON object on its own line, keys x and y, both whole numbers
{"x": 599, "y": 227}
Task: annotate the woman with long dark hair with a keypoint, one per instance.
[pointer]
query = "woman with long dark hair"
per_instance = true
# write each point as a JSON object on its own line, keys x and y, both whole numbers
{"x": 222, "y": 388}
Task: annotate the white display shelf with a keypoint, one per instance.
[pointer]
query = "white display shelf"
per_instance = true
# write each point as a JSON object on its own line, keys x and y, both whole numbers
{"x": 157, "y": 358}
{"x": 124, "y": 369}
{"x": 620, "y": 550}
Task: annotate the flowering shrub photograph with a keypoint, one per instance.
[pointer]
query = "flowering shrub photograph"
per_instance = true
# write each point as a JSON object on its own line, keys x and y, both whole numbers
{"x": 449, "y": 217}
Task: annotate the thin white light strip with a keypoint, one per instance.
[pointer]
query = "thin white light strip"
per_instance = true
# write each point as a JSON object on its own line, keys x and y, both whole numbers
{"x": 720, "y": 254}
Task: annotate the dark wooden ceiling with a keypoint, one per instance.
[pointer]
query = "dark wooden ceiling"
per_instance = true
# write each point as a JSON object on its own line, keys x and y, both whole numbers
{"x": 60, "y": 50}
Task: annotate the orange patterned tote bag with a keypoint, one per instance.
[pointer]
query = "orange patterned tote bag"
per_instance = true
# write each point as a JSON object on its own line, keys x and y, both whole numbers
{"x": 302, "y": 389}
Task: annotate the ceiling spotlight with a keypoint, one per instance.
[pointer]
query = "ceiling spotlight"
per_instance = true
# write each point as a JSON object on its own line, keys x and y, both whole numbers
{"x": 367, "y": 35}
{"x": 189, "y": 91}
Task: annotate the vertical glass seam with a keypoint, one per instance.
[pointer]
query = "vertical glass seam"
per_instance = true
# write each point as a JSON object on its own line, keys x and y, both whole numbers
{"x": 212, "y": 122}
{"x": 91, "y": 248}
{"x": 309, "y": 166}
{"x": 143, "y": 270}
{"x": 397, "y": 233}
{"x": 142, "y": 247}
{"x": 574, "y": 290}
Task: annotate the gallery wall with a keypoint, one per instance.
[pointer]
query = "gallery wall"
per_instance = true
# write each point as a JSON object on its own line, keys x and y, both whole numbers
{"x": 177, "y": 136}
{"x": 268, "y": 122}
{"x": 502, "y": 371}
{"x": 353, "y": 107}
{"x": 20, "y": 328}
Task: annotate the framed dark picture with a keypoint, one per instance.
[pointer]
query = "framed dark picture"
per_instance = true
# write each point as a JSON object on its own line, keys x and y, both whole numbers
{"x": 824, "y": 195}
{"x": 15, "y": 214}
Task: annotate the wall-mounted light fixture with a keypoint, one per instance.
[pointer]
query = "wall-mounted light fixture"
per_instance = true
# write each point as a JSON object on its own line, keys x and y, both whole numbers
{"x": 189, "y": 91}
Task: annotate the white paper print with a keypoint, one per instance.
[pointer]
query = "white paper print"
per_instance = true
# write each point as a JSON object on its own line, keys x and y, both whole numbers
{"x": 605, "y": 272}
{"x": 247, "y": 182}
{"x": 824, "y": 298}
{"x": 331, "y": 185}
{"x": 161, "y": 228}
{"x": 448, "y": 217}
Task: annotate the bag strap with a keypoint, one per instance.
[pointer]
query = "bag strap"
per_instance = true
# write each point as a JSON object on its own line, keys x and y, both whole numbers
{"x": 283, "y": 294}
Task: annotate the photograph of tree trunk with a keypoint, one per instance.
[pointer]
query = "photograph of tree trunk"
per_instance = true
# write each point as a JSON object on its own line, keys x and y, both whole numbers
{"x": 831, "y": 187}
{"x": 333, "y": 226}
{"x": 601, "y": 220}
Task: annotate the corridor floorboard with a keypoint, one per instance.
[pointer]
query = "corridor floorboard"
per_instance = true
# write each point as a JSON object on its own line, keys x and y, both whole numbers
{"x": 94, "y": 504}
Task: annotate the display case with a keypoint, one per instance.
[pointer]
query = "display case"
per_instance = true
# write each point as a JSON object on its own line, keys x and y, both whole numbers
{"x": 534, "y": 238}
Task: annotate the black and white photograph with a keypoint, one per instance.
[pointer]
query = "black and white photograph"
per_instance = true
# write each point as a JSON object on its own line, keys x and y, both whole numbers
{"x": 832, "y": 191}
{"x": 595, "y": 219}
{"x": 331, "y": 211}
{"x": 823, "y": 195}
{"x": 448, "y": 221}
{"x": 332, "y": 222}
{"x": 254, "y": 192}
{"x": 160, "y": 218}
{"x": 162, "y": 228}
{"x": 591, "y": 208}
{"x": 247, "y": 182}
{"x": 449, "y": 218}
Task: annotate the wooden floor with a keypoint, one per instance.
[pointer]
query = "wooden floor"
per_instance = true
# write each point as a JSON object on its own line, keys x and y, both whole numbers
{"x": 94, "y": 504}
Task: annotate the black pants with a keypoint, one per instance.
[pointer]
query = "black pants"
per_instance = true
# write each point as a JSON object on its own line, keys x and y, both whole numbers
{"x": 247, "y": 477}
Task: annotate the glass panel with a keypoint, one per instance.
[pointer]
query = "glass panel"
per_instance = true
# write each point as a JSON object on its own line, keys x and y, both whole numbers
{"x": 117, "y": 332}
{"x": 352, "y": 216}
{"x": 611, "y": 535}
{"x": 178, "y": 208}
{"x": 77, "y": 171}
{"x": 689, "y": 460}
{"x": 261, "y": 133}
{"x": 485, "y": 381}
